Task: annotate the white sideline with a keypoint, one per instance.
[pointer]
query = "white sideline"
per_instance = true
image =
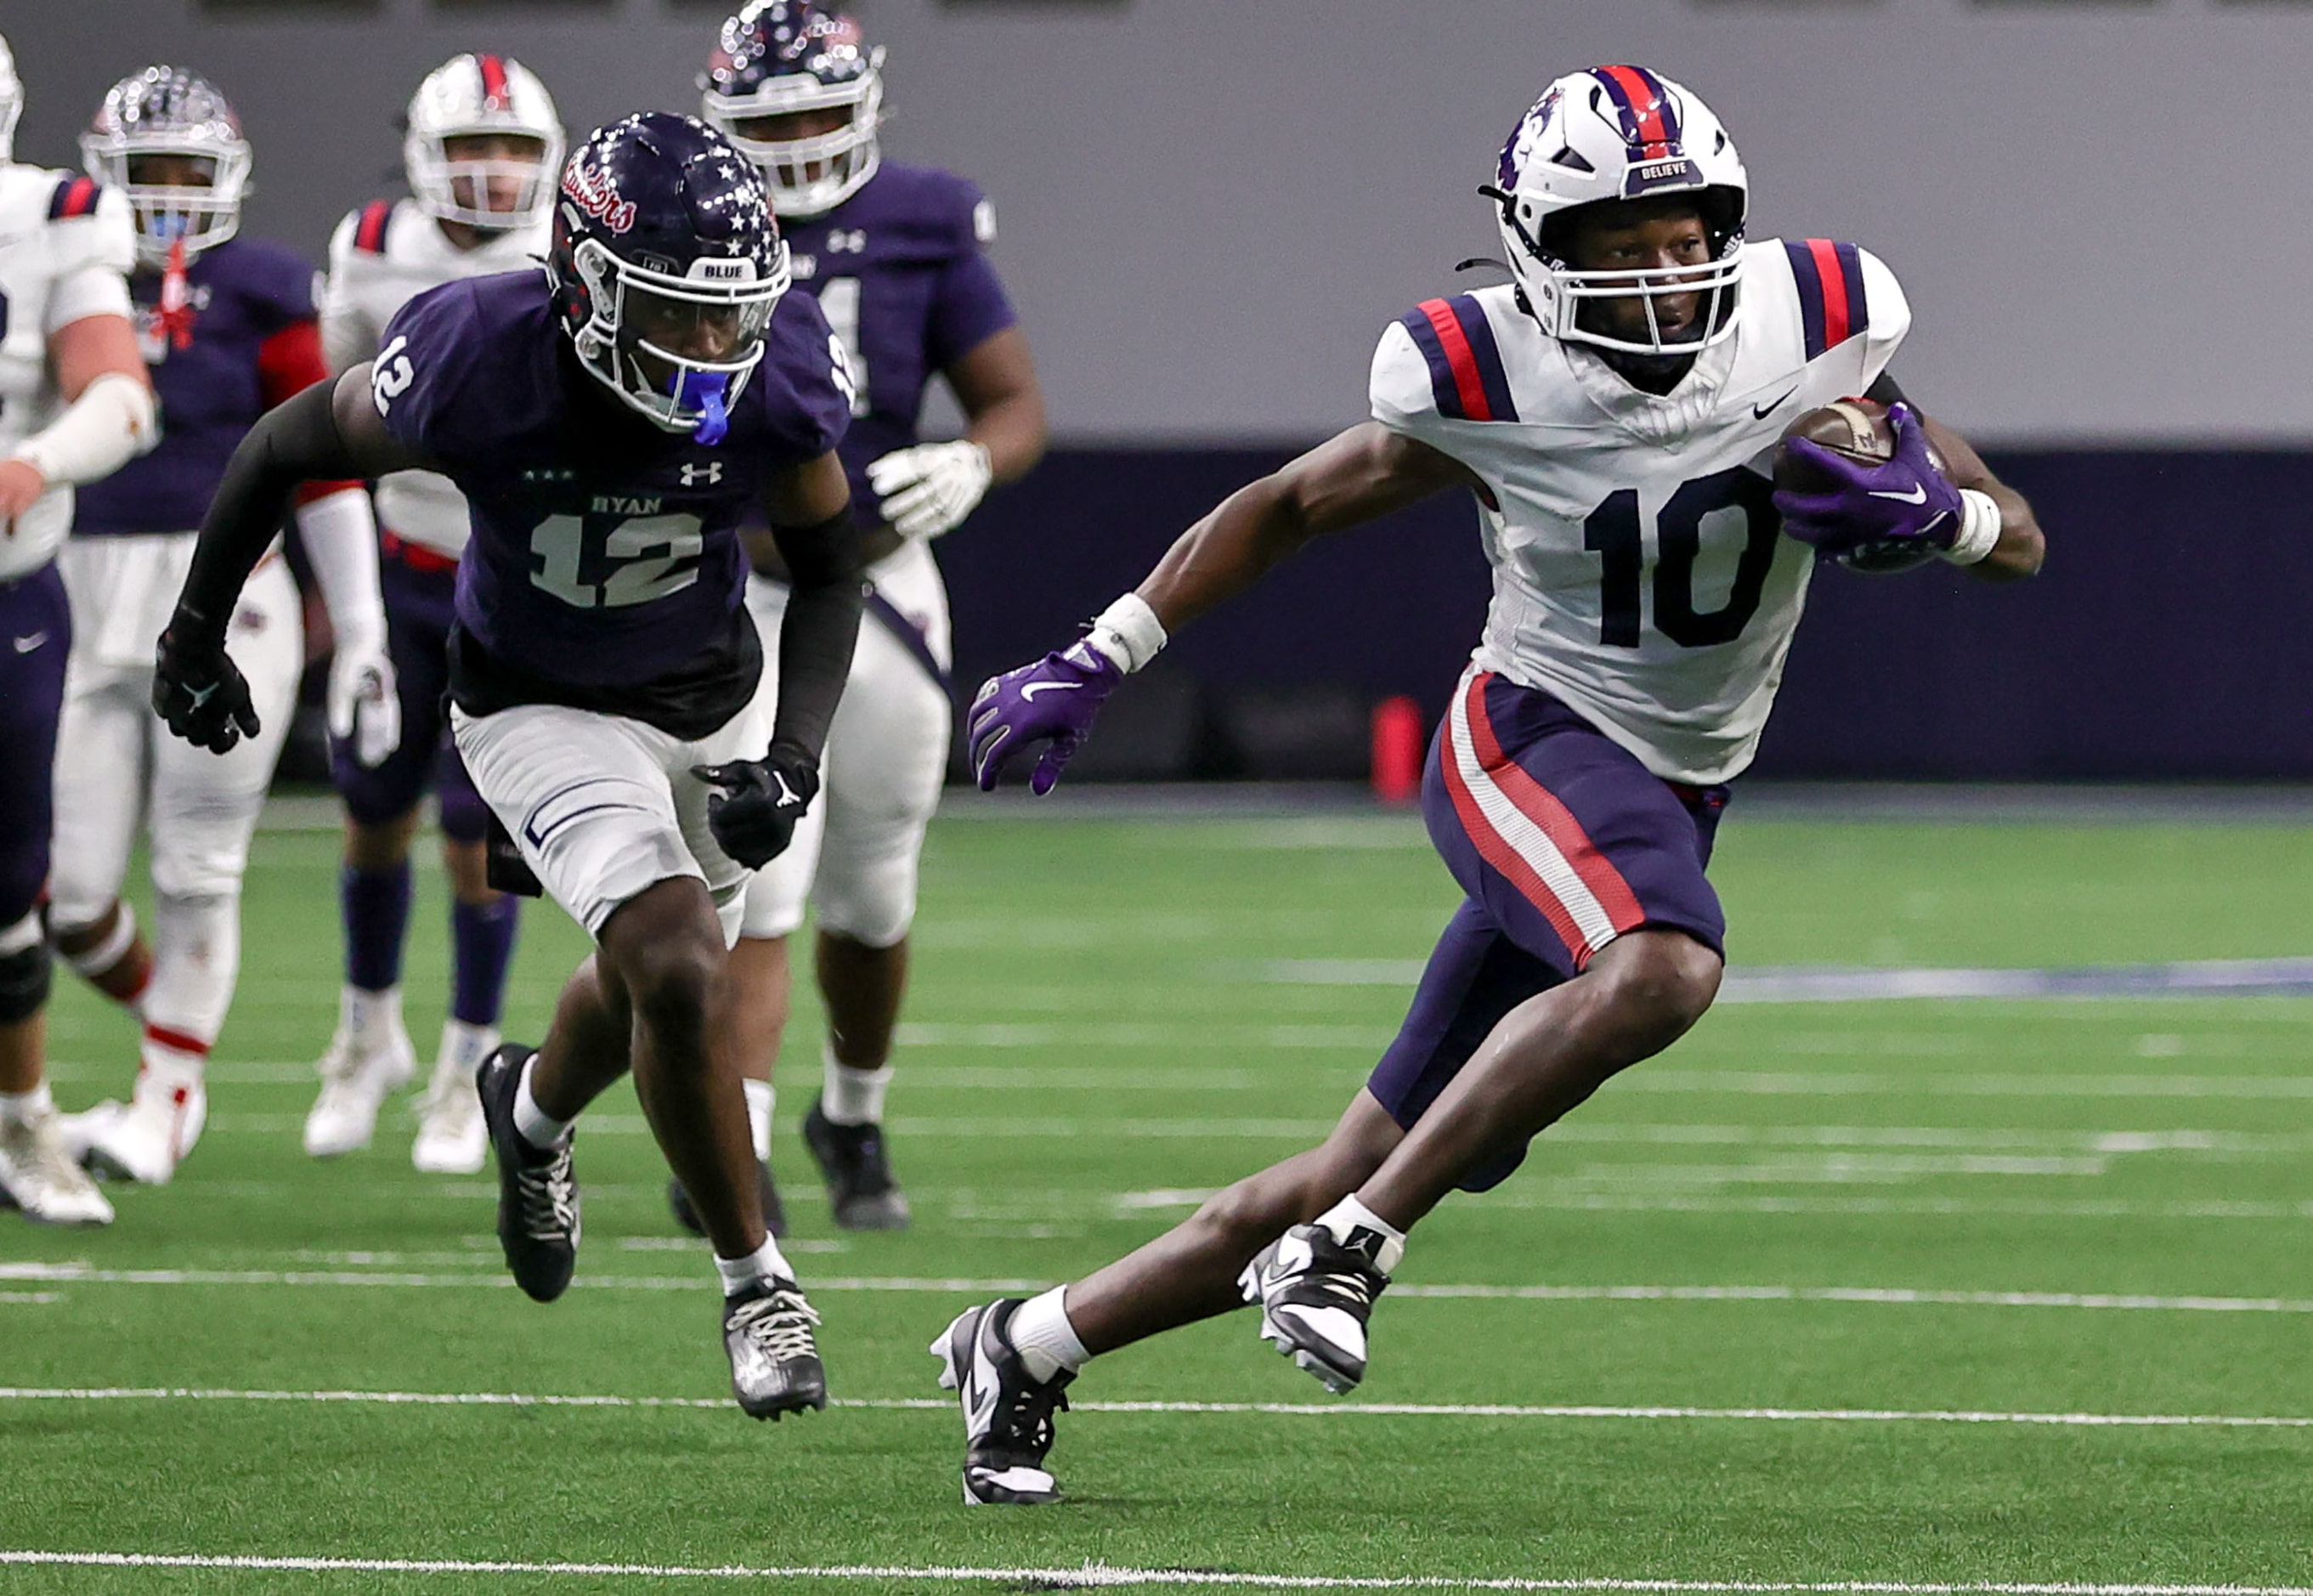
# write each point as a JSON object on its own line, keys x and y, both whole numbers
{"x": 1869, "y": 1296}
{"x": 1459, "y": 1410}
{"x": 1105, "y": 1575}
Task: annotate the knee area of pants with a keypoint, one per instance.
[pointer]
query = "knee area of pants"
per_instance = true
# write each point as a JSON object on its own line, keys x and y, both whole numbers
{"x": 194, "y": 874}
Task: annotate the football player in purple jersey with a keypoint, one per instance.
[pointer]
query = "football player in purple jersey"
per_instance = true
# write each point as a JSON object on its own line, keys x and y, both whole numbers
{"x": 1617, "y": 410}
{"x": 896, "y": 257}
{"x": 609, "y": 422}
{"x": 227, "y": 327}
{"x": 74, "y": 404}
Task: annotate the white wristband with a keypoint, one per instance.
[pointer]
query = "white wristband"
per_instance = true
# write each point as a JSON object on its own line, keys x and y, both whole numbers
{"x": 1128, "y": 632}
{"x": 111, "y": 423}
{"x": 1979, "y": 528}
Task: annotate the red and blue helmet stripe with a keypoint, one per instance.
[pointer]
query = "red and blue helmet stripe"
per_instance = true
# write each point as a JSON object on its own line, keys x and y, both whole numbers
{"x": 1467, "y": 376}
{"x": 1648, "y": 116}
{"x": 495, "y": 95}
{"x": 1832, "y": 304}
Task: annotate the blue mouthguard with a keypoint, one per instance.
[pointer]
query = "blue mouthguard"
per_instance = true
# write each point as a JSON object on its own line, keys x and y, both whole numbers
{"x": 707, "y": 393}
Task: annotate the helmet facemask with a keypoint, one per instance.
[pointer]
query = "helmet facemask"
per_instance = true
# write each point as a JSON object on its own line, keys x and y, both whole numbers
{"x": 811, "y": 175}
{"x": 198, "y": 216}
{"x": 1569, "y": 298}
{"x": 678, "y": 348}
{"x": 452, "y": 186}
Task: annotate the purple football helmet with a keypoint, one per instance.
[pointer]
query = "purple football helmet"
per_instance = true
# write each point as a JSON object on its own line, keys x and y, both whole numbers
{"x": 779, "y": 58}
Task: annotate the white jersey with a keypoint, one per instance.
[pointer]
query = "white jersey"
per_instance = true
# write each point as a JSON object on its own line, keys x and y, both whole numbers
{"x": 65, "y": 249}
{"x": 381, "y": 257}
{"x": 1641, "y": 571}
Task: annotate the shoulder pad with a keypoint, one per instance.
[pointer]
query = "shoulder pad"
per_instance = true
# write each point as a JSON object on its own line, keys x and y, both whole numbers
{"x": 369, "y": 224}
{"x": 1832, "y": 305}
{"x": 1467, "y": 376}
{"x": 73, "y": 196}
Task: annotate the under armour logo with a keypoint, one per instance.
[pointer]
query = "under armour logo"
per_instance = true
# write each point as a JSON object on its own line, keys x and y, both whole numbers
{"x": 693, "y": 475}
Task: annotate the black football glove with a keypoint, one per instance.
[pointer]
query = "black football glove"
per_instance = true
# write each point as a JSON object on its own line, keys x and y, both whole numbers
{"x": 198, "y": 690}
{"x": 758, "y": 802}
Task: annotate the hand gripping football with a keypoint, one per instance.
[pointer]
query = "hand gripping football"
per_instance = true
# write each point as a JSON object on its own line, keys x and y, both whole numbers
{"x": 1858, "y": 429}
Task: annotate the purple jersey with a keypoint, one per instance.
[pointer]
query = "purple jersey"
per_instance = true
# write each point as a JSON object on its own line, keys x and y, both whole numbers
{"x": 250, "y": 317}
{"x": 604, "y": 568}
{"x": 899, "y": 272}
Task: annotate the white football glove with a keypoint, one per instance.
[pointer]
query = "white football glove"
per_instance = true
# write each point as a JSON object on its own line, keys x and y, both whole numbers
{"x": 365, "y": 703}
{"x": 928, "y": 490}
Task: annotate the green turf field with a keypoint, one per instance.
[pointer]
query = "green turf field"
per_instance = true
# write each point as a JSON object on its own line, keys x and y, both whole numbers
{"x": 1832, "y": 1292}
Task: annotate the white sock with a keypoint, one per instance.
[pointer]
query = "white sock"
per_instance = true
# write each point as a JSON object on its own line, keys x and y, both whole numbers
{"x": 1345, "y": 1218}
{"x": 1039, "y": 1332}
{"x": 852, "y": 1097}
{"x": 464, "y": 1045}
{"x": 536, "y": 1127}
{"x": 765, "y": 1263}
{"x": 760, "y": 1099}
{"x": 369, "y": 1016}
{"x": 23, "y": 1108}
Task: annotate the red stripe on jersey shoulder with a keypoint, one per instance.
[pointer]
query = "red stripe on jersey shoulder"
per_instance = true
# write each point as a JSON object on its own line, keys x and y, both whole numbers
{"x": 369, "y": 232}
{"x": 1469, "y": 383}
{"x": 75, "y": 197}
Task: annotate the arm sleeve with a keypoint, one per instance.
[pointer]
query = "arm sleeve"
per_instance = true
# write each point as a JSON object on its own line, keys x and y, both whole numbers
{"x": 969, "y": 305}
{"x": 820, "y": 629}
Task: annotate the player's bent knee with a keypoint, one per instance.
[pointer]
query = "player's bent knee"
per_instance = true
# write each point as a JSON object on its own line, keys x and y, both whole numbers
{"x": 26, "y": 971}
{"x": 666, "y": 948}
{"x": 1664, "y": 980}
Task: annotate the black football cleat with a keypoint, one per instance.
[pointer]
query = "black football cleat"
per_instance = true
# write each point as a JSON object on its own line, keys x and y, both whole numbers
{"x": 1315, "y": 1294}
{"x": 775, "y": 1367}
{"x": 775, "y": 1216}
{"x": 859, "y": 1173}
{"x": 538, "y": 1196}
{"x": 1008, "y": 1412}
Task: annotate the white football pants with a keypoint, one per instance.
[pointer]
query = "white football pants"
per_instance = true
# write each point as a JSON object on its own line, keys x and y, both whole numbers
{"x": 855, "y": 854}
{"x": 116, "y": 764}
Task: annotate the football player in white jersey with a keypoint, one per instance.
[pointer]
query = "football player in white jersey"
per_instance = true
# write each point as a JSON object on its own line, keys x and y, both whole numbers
{"x": 483, "y": 148}
{"x": 74, "y": 406}
{"x": 1614, "y": 410}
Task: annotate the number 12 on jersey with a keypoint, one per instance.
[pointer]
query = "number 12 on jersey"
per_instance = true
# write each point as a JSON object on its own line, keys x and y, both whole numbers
{"x": 1613, "y": 531}
{"x": 648, "y": 557}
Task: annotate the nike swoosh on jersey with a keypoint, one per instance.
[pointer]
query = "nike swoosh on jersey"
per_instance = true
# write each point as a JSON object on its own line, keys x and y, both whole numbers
{"x": 1918, "y": 495}
{"x": 1761, "y": 411}
{"x": 1033, "y": 688}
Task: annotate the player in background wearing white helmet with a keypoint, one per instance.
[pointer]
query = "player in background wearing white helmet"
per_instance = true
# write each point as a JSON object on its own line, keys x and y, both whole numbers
{"x": 896, "y": 257}
{"x": 1615, "y": 410}
{"x": 483, "y": 150}
{"x": 74, "y": 404}
{"x": 226, "y": 326}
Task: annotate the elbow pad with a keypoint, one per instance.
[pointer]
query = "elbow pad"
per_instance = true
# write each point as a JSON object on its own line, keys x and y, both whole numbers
{"x": 113, "y": 421}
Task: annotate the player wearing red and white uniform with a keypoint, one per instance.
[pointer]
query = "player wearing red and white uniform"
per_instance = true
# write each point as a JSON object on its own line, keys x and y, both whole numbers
{"x": 74, "y": 404}
{"x": 1616, "y": 412}
{"x": 483, "y": 147}
{"x": 226, "y": 326}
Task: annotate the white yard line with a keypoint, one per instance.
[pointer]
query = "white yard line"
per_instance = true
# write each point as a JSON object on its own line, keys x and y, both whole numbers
{"x": 1107, "y": 1576}
{"x": 1551, "y": 1196}
{"x": 72, "y": 1273}
{"x": 1454, "y": 1410}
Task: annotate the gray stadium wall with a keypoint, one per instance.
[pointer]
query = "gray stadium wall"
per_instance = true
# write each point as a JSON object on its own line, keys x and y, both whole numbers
{"x": 1210, "y": 210}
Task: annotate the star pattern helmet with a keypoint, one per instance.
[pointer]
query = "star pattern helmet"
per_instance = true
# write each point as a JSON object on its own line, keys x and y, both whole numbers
{"x": 12, "y": 102}
{"x": 780, "y": 57}
{"x": 476, "y": 95}
{"x": 667, "y": 264}
{"x": 1601, "y": 137}
{"x": 168, "y": 110}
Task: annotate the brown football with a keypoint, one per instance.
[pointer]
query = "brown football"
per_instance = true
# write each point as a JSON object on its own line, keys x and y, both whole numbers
{"x": 1855, "y": 427}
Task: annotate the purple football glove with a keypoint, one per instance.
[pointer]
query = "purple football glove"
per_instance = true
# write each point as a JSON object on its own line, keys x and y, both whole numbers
{"x": 1051, "y": 702}
{"x": 1905, "y": 500}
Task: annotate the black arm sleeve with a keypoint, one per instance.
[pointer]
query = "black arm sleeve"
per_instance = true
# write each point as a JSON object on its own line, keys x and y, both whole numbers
{"x": 1883, "y": 391}
{"x": 295, "y": 442}
{"x": 821, "y": 626}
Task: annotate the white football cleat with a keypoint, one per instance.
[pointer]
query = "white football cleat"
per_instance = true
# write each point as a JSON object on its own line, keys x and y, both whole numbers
{"x": 358, "y": 1073}
{"x": 38, "y": 1175}
{"x": 452, "y": 1139}
{"x": 144, "y": 1139}
{"x": 1315, "y": 1296}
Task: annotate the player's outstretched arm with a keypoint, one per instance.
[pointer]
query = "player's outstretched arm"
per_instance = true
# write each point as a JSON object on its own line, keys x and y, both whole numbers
{"x": 330, "y": 431}
{"x": 2022, "y": 547}
{"x": 1359, "y": 476}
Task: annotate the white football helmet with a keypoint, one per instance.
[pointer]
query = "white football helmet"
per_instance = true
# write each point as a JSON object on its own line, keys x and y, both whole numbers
{"x": 780, "y": 57}
{"x": 473, "y": 94}
{"x": 1610, "y": 134}
{"x": 167, "y": 110}
{"x": 12, "y": 102}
